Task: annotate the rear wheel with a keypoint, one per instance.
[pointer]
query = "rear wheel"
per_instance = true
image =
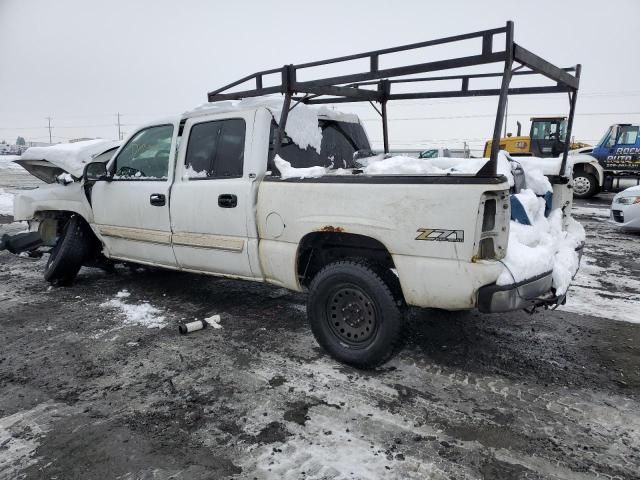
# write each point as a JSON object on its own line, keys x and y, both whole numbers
{"x": 585, "y": 185}
{"x": 70, "y": 251}
{"x": 354, "y": 313}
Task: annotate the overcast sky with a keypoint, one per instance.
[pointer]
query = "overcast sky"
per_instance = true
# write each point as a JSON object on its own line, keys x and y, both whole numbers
{"x": 81, "y": 62}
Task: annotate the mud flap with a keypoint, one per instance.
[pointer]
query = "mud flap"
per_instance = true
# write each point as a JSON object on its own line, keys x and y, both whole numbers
{"x": 21, "y": 242}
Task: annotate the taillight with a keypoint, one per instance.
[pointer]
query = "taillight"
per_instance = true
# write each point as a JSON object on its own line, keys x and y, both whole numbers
{"x": 494, "y": 230}
{"x": 489, "y": 217}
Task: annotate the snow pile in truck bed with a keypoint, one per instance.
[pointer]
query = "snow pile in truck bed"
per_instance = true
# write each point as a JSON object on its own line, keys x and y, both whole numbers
{"x": 70, "y": 157}
{"x": 542, "y": 246}
{"x": 287, "y": 171}
{"x": 548, "y": 166}
{"x": 400, "y": 165}
{"x": 6, "y": 203}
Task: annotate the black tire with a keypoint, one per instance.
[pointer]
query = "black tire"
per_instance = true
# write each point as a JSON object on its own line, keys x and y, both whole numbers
{"x": 585, "y": 185}
{"x": 354, "y": 313}
{"x": 69, "y": 253}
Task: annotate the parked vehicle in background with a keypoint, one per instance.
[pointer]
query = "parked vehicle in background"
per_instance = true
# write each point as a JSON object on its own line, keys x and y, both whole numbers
{"x": 625, "y": 209}
{"x": 446, "y": 152}
{"x": 601, "y": 168}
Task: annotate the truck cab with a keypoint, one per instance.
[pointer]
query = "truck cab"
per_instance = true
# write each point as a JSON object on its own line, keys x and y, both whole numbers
{"x": 615, "y": 157}
{"x": 619, "y": 148}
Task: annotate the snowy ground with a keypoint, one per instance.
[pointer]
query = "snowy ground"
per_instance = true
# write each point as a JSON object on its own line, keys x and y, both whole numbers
{"x": 97, "y": 383}
{"x": 608, "y": 283}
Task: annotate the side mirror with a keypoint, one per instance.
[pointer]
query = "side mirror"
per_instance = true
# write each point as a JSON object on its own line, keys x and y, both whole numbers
{"x": 95, "y": 171}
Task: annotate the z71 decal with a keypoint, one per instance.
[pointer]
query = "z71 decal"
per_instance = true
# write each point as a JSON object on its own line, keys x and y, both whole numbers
{"x": 440, "y": 235}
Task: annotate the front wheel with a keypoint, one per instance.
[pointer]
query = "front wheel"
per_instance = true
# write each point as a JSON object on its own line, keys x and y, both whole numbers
{"x": 354, "y": 313}
{"x": 69, "y": 253}
{"x": 585, "y": 185}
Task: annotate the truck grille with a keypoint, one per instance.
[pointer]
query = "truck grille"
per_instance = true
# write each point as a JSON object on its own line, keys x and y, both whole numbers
{"x": 618, "y": 216}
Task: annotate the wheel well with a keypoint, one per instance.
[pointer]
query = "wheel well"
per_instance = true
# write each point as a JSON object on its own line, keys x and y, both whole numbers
{"x": 318, "y": 249}
{"x": 587, "y": 168}
{"x": 51, "y": 224}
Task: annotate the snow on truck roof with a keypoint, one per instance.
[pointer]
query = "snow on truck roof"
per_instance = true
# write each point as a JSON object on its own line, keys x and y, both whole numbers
{"x": 302, "y": 126}
{"x": 270, "y": 102}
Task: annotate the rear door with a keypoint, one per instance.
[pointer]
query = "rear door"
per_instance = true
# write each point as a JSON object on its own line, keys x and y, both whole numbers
{"x": 212, "y": 196}
{"x": 131, "y": 211}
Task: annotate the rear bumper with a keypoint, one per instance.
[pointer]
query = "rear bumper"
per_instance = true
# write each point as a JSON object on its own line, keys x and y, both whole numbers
{"x": 533, "y": 292}
{"x": 517, "y": 296}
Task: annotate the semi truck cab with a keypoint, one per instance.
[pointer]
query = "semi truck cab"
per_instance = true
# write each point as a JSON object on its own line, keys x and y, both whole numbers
{"x": 615, "y": 157}
{"x": 619, "y": 148}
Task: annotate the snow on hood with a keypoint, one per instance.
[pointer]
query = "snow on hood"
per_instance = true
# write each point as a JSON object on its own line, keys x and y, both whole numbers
{"x": 70, "y": 157}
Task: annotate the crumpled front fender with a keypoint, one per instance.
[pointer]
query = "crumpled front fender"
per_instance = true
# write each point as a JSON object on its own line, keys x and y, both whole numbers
{"x": 54, "y": 197}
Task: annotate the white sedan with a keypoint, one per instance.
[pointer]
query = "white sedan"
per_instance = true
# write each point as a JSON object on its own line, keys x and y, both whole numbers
{"x": 625, "y": 209}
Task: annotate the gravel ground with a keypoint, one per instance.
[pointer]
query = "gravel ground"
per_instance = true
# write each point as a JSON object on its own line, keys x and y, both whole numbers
{"x": 88, "y": 391}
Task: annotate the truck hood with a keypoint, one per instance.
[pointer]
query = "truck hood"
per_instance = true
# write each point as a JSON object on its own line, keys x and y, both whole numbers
{"x": 47, "y": 163}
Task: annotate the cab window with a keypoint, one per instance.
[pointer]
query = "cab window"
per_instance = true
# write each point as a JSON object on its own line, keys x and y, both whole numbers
{"x": 544, "y": 130}
{"x": 216, "y": 149}
{"x": 628, "y": 135}
{"x": 146, "y": 155}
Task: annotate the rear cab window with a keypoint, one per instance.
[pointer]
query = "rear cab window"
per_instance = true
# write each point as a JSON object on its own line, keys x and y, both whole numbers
{"x": 340, "y": 140}
{"x": 215, "y": 149}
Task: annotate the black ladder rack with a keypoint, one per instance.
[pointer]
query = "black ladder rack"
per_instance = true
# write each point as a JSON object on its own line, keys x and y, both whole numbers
{"x": 357, "y": 87}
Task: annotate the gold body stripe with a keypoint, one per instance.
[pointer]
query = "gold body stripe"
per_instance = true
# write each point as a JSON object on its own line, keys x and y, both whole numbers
{"x": 203, "y": 240}
{"x": 184, "y": 239}
{"x": 139, "y": 234}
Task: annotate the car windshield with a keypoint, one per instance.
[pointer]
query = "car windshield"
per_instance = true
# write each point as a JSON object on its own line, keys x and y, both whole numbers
{"x": 340, "y": 140}
{"x": 432, "y": 153}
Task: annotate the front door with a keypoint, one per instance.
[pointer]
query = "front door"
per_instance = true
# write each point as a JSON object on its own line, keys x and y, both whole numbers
{"x": 211, "y": 199}
{"x": 131, "y": 211}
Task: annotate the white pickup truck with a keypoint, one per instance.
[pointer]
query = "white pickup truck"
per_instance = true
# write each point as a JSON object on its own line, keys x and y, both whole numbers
{"x": 202, "y": 192}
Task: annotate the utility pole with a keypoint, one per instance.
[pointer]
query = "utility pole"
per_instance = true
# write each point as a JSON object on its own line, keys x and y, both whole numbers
{"x": 119, "y": 132}
{"x": 49, "y": 120}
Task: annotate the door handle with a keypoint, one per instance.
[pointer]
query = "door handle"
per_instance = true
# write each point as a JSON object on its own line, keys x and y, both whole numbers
{"x": 227, "y": 200}
{"x": 158, "y": 199}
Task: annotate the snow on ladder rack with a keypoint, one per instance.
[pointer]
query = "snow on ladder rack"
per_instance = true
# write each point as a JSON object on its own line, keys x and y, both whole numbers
{"x": 377, "y": 84}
